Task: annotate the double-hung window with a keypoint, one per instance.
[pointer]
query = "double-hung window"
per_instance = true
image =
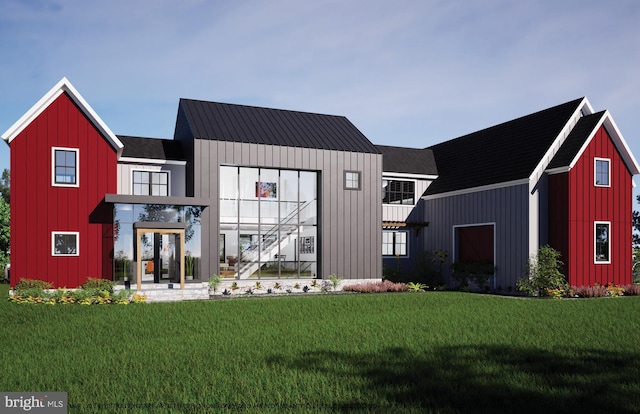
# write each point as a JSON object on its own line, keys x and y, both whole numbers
{"x": 154, "y": 183}
{"x": 602, "y": 172}
{"x": 394, "y": 243}
{"x": 65, "y": 167}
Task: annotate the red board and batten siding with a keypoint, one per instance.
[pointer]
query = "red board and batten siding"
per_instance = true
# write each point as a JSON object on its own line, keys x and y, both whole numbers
{"x": 575, "y": 203}
{"x": 38, "y": 208}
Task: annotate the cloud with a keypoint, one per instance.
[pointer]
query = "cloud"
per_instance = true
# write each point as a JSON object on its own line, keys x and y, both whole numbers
{"x": 401, "y": 71}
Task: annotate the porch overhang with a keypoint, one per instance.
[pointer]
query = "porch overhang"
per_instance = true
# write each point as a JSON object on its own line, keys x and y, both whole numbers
{"x": 418, "y": 225}
{"x": 173, "y": 201}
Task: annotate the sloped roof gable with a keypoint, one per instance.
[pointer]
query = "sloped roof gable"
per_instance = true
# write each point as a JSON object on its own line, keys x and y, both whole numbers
{"x": 581, "y": 136}
{"x": 575, "y": 141}
{"x": 506, "y": 152}
{"x": 63, "y": 86}
{"x": 250, "y": 124}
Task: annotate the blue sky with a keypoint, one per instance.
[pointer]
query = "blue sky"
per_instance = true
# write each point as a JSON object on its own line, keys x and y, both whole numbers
{"x": 406, "y": 73}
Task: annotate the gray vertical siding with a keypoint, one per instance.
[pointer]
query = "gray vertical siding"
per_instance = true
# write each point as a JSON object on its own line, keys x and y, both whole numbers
{"x": 507, "y": 207}
{"x": 349, "y": 233}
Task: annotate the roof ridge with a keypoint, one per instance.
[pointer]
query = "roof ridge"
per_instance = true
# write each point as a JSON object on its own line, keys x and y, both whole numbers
{"x": 505, "y": 152}
{"x": 269, "y": 126}
{"x": 260, "y": 107}
{"x": 514, "y": 120}
{"x": 401, "y": 147}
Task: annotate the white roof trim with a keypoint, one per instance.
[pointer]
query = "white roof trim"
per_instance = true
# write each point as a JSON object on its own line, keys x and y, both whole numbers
{"x": 61, "y": 87}
{"x": 557, "y": 170}
{"x": 408, "y": 175}
{"x": 586, "y": 143}
{"x": 618, "y": 141}
{"x": 477, "y": 189}
{"x": 584, "y": 108}
{"x": 155, "y": 161}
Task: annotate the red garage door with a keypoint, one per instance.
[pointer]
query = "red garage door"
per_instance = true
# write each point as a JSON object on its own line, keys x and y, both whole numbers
{"x": 475, "y": 244}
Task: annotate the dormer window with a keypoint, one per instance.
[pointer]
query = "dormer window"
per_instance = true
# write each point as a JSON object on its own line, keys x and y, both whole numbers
{"x": 151, "y": 183}
{"x": 602, "y": 172}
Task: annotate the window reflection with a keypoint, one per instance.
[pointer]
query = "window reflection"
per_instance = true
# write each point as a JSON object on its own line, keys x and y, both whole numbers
{"x": 125, "y": 215}
{"x": 275, "y": 234}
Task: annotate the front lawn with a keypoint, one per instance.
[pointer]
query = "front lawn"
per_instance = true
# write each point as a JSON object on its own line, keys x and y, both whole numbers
{"x": 423, "y": 352}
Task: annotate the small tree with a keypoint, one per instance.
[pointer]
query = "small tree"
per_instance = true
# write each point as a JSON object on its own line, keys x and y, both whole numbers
{"x": 335, "y": 281}
{"x": 5, "y": 185}
{"x": 544, "y": 274}
{"x": 636, "y": 265}
{"x": 636, "y": 226}
{"x": 4, "y": 233}
{"x": 214, "y": 282}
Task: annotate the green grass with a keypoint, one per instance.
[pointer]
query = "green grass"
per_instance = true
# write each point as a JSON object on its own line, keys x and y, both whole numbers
{"x": 412, "y": 352}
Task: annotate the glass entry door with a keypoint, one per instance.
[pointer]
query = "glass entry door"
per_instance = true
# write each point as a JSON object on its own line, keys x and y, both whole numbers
{"x": 160, "y": 256}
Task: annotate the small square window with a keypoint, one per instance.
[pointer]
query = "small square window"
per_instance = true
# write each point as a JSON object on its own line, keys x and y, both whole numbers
{"x": 65, "y": 243}
{"x": 602, "y": 169}
{"x": 65, "y": 167}
{"x": 602, "y": 242}
{"x": 352, "y": 180}
{"x": 155, "y": 183}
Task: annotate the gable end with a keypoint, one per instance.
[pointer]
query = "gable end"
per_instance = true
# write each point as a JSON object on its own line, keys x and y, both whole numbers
{"x": 63, "y": 86}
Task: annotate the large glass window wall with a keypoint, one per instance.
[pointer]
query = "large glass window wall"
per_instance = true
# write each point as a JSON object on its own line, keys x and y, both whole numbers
{"x": 125, "y": 215}
{"x": 268, "y": 223}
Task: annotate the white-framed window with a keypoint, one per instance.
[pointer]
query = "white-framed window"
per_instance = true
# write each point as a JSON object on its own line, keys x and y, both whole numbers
{"x": 602, "y": 242}
{"x": 352, "y": 180}
{"x": 394, "y": 243}
{"x": 154, "y": 183}
{"x": 65, "y": 243}
{"x": 64, "y": 167}
{"x": 602, "y": 175}
{"x": 398, "y": 192}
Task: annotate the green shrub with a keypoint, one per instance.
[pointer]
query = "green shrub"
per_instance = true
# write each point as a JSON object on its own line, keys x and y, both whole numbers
{"x": 32, "y": 288}
{"x": 428, "y": 268}
{"x": 416, "y": 287}
{"x": 98, "y": 284}
{"x": 335, "y": 281}
{"x": 476, "y": 272}
{"x": 26, "y": 284}
{"x": 214, "y": 282}
{"x": 544, "y": 274}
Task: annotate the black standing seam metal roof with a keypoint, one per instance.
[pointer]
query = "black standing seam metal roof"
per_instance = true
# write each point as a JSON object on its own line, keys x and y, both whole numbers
{"x": 152, "y": 148}
{"x": 577, "y": 137}
{"x": 408, "y": 160}
{"x": 250, "y": 124}
{"x": 502, "y": 153}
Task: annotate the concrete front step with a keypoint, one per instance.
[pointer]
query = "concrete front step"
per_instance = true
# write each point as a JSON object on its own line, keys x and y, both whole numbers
{"x": 162, "y": 292}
